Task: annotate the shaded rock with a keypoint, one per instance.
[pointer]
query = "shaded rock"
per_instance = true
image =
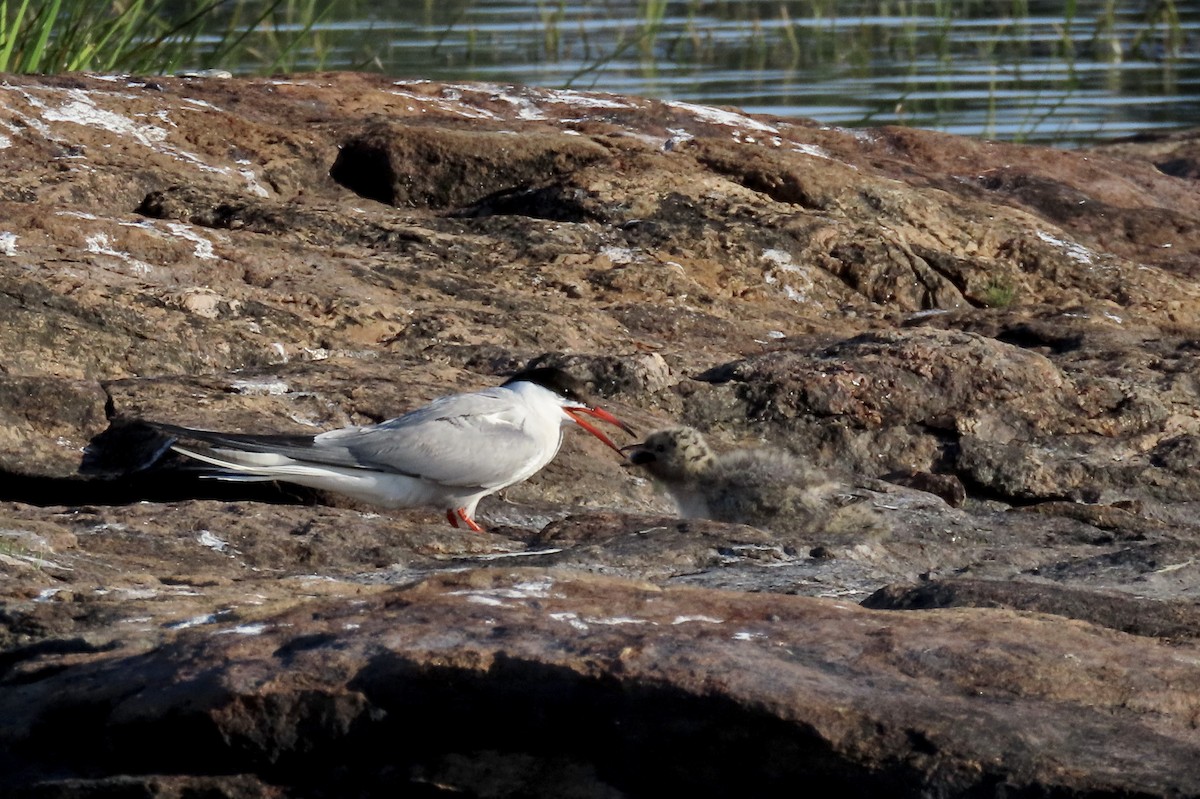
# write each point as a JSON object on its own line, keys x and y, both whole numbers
{"x": 611, "y": 375}
{"x": 45, "y": 422}
{"x": 946, "y": 486}
{"x": 498, "y": 662}
{"x": 1127, "y": 521}
{"x": 235, "y": 786}
{"x": 439, "y": 168}
{"x": 1155, "y": 619}
{"x": 923, "y": 377}
{"x": 1179, "y": 454}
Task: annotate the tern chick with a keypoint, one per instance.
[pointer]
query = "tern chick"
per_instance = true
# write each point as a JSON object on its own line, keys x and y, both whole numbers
{"x": 448, "y": 454}
{"x": 757, "y": 487}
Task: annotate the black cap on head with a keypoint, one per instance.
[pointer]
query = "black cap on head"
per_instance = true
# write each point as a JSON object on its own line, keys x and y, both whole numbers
{"x": 553, "y": 378}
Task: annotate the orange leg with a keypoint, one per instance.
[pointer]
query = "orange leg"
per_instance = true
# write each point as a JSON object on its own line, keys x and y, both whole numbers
{"x": 462, "y": 514}
{"x": 450, "y": 517}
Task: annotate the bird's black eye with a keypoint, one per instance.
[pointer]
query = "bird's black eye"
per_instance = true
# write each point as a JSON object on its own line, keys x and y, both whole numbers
{"x": 661, "y": 448}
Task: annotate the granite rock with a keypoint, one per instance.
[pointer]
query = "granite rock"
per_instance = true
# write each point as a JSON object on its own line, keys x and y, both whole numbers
{"x": 1000, "y": 341}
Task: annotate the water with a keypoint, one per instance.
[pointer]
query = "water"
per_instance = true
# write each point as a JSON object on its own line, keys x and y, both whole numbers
{"x": 1019, "y": 70}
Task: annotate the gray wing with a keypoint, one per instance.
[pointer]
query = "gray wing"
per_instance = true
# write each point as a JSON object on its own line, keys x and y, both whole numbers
{"x": 468, "y": 440}
{"x": 476, "y": 439}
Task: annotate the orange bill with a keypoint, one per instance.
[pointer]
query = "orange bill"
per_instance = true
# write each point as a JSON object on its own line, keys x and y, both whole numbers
{"x": 603, "y": 416}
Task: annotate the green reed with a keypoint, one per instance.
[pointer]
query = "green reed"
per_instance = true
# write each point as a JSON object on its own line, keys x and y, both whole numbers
{"x": 58, "y": 37}
{"x": 805, "y": 38}
{"x": 644, "y": 39}
{"x": 152, "y": 36}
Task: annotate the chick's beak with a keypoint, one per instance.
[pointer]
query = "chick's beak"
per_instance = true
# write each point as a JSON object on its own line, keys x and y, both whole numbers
{"x": 637, "y": 455}
{"x": 603, "y": 416}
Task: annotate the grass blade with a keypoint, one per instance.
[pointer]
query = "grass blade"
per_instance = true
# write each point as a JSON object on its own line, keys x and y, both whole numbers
{"x": 48, "y": 22}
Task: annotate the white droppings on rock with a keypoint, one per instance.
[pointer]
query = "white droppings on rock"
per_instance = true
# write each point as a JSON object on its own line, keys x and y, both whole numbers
{"x": 702, "y": 619}
{"x": 1076, "y": 252}
{"x": 33, "y": 123}
{"x": 534, "y": 589}
{"x": 100, "y": 244}
{"x": 251, "y": 179}
{"x": 571, "y": 619}
{"x": 208, "y": 539}
{"x": 616, "y": 620}
{"x": 195, "y": 621}
{"x": 8, "y": 244}
{"x": 204, "y": 247}
{"x": 744, "y": 635}
{"x": 781, "y": 258}
{"x": 522, "y": 554}
{"x": 928, "y": 312}
{"x": 218, "y": 74}
{"x": 81, "y": 109}
{"x": 719, "y": 116}
{"x": 531, "y": 589}
{"x": 200, "y": 103}
{"x": 269, "y": 386}
{"x": 484, "y": 599}
{"x": 137, "y": 593}
{"x": 783, "y": 263}
{"x": 244, "y": 629}
{"x": 526, "y": 108}
{"x": 580, "y": 99}
{"x": 678, "y": 136}
{"x": 813, "y": 150}
{"x": 618, "y": 255}
{"x": 450, "y": 105}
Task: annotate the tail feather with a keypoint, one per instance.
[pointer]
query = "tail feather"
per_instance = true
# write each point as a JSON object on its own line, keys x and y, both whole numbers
{"x": 248, "y": 463}
{"x": 244, "y": 442}
{"x": 238, "y": 465}
{"x": 245, "y": 451}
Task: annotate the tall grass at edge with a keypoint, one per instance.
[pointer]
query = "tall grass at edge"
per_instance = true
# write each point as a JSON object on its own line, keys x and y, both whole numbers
{"x": 144, "y": 37}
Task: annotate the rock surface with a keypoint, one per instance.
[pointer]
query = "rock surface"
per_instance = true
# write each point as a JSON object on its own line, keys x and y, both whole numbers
{"x": 1002, "y": 341}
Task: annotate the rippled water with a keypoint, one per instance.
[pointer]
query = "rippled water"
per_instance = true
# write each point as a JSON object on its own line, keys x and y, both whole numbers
{"x": 1009, "y": 70}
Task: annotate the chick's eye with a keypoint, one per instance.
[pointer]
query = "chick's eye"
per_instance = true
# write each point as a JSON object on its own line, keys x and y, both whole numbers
{"x": 661, "y": 448}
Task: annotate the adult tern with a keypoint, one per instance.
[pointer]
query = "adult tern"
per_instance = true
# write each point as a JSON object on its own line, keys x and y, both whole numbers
{"x": 448, "y": 454}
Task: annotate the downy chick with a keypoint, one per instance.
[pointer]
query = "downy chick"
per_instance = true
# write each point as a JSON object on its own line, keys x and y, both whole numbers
{"x": 760, "y": 487}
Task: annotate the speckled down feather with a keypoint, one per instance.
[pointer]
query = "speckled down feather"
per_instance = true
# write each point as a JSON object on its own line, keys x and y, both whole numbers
{"x": 760, "y": 487}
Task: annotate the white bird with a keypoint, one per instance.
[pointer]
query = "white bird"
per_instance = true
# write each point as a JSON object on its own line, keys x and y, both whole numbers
{"x": 448, "y": 454}
{"x": 760, "y": 487}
